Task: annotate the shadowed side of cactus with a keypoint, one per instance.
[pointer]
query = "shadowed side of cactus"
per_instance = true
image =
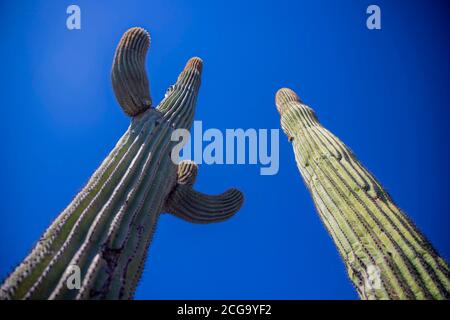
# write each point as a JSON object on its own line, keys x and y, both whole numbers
{"x": 386, "y": 256}
{"x": 107, "y": 228}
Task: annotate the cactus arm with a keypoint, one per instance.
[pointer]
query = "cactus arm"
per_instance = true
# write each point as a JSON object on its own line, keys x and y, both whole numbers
{"x": 128, "y": 75}
{"x": 186, "y": 203}
{"x": 364, "y": 222}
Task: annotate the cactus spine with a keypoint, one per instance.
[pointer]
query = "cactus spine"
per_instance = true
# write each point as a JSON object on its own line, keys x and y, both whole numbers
{"x": 107, "y": 228}
{"x": 386, "y": 256}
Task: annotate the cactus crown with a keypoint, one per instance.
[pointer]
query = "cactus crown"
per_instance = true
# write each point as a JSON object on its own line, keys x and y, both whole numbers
{"x": 283, "y": 96}
{"x": 293, "y": 112}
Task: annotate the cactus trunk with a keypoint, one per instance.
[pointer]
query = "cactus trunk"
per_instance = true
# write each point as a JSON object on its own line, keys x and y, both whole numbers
{"x": 386, "y": 256}
{"x": 106, "y": 230}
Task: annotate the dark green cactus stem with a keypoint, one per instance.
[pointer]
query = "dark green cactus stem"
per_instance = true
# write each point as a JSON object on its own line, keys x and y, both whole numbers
{"x": 386, "y": 256}
{"x": 107, "y": 228}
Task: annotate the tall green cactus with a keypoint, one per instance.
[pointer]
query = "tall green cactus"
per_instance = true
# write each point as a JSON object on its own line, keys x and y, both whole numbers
{"x": 386, "y": 256}
{"x": 107, "y": 228}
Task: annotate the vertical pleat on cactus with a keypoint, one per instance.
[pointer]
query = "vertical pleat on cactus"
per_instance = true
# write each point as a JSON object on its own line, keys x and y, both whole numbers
{"x": 107, "y": 228}
{"x": 385, "y": 254}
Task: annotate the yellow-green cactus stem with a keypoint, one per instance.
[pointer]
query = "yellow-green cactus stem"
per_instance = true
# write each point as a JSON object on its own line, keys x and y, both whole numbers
{"x": 106, "y": 230}
{"x": 386, "y": 256}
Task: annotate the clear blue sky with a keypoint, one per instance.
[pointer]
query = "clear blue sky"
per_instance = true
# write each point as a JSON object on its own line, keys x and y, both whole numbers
{"x": 385, "y": 93}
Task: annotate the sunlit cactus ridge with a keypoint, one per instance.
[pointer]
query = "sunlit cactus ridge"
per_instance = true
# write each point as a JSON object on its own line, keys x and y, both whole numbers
{"x": 107, "y": 228}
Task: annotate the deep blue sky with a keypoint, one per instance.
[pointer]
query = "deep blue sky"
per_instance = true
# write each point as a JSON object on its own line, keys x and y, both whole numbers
{"x": 385, "y": 93}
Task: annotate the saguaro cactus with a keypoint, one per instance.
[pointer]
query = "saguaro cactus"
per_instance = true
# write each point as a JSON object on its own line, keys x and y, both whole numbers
{"x": 386, "y": 256}
{"x": 106, "y": 230}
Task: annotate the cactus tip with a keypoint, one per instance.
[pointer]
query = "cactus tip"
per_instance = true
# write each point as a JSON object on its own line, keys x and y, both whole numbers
{"x": 283, "y": 96}
{"x": 187, "y": 172}
{"x": 194, "y": 63}
{"x": 137, "y": 33}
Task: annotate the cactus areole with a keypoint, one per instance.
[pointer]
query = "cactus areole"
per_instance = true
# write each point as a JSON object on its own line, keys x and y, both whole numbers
{"x": 386, "y": 256}
{"x": 106, "y": 230}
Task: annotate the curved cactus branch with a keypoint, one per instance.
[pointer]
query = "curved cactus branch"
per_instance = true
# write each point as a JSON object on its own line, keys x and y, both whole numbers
{"x": 128, "y": 75}
{"x": 386, "y": 256}
{"x": 188, "y": 204}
